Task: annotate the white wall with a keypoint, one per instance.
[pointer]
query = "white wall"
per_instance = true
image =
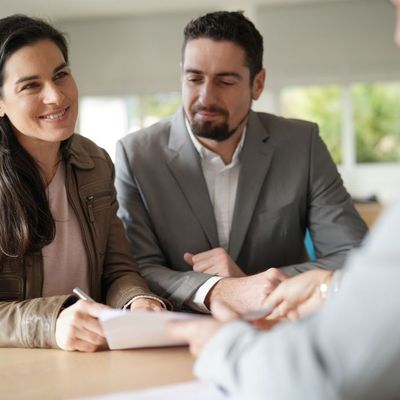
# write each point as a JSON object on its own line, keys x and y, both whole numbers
{"x": 322, "y": 42}
{"x": 325, "y": 42}
{"x": 329, "y": 42}
{"x": 126, "y": 55}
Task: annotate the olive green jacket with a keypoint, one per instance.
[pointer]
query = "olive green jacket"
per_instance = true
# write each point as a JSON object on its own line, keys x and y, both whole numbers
{"x": 26, "y": 318}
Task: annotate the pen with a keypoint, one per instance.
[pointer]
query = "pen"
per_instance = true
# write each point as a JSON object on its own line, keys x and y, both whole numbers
{"x": 82, "y": 295}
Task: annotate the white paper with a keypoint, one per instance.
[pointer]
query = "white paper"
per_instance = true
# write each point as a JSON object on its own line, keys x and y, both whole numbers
{"x": 135, "y": 329}
{"x": 192, "y": 390}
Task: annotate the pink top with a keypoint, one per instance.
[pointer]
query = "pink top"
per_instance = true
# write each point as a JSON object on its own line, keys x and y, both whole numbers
{"x": 64, "y": 259}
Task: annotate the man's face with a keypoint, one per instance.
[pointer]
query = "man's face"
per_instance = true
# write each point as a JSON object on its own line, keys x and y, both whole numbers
{"x": 216, "y": 88}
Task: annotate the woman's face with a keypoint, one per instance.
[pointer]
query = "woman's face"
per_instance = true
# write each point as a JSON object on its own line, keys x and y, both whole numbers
{"x": 39, "y": 94}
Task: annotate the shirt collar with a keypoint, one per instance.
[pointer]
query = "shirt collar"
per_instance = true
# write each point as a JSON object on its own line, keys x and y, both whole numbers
{"x": 207, "y": 154}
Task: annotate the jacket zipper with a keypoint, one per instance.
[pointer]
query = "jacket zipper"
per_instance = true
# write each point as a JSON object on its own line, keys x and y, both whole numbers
{"x": 89, "y": 202}
{"x": 100, "y": 194}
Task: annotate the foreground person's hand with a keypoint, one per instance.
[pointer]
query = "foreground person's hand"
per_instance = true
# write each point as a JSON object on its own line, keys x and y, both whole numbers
{"x": 198, "y": 331}
{"x": 298, "y": 296}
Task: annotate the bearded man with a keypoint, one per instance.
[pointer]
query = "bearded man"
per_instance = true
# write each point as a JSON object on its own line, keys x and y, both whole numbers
{"x": 216, "y": 200}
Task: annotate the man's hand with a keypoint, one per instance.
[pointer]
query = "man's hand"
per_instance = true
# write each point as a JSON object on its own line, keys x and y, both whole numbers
{"x": 247, "y": 293}
{"x": 146, "y": 304}
{"x": 298, "y": 296}
{"x": 78, "y": 328}
{"x": 214, "y": 262}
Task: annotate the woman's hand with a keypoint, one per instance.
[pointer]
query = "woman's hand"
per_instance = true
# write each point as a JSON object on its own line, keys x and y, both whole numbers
{"x": 298, "y": 296}
{"x": 78, "y": 327}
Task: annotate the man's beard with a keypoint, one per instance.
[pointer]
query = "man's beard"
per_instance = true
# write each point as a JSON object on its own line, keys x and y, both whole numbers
{"x": 211, "y": 130}
{"x": 218, "y": 131}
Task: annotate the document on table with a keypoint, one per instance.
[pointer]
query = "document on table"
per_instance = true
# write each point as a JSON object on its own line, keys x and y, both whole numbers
{"x": 193, "y": 390}
{"x": 135, "y": 329}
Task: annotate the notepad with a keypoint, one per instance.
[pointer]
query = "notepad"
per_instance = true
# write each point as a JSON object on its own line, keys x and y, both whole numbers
{"x": 138, "y": 329}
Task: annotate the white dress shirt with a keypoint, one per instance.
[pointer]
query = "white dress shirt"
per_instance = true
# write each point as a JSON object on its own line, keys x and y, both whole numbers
{"x": 222, "y": 181}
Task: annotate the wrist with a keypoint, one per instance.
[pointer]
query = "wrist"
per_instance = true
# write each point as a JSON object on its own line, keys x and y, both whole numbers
{"x": 325, "y": 284}
{"x": 331, "y": 284}
{"x": 334, "y": 284}
{"x": 216, "y": 292}
{"x": 139, "y": 298}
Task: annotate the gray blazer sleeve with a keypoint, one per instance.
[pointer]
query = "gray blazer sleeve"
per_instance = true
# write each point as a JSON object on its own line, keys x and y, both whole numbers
{"x": 176, "y": 286}
{"x": 334, "y": 224}
{"x": 350, "y": 349}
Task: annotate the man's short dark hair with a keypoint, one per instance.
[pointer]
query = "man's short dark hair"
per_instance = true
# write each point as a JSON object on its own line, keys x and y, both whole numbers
{"x": 231, "y": 26}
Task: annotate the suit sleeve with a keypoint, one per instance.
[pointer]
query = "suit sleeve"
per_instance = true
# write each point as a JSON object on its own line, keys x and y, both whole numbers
{"x": 334, "y": 224}
{"x": 175, "y": 286}
{"x": 348, "y": 350}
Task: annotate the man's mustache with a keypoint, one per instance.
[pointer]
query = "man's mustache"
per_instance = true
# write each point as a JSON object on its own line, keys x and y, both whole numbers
{"x": 211, "y": 109}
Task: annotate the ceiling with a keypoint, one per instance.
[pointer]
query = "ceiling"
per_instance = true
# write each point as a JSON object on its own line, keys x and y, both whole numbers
{"x": 74, "y": 9}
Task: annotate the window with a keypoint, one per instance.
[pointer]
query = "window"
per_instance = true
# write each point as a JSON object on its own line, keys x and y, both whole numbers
{"x": 377, "y": 122}
{"x": 107, "y": 119}
{"x": 320, "y": 104}
{"x": 104, "y": 120}
{"x": 159, "y": 106}
{"x": 360, "y": 124}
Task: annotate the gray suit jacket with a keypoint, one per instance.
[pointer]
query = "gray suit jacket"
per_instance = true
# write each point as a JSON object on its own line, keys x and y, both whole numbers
{"x": 349, "y": 350}
{"x": 287, "y": 183}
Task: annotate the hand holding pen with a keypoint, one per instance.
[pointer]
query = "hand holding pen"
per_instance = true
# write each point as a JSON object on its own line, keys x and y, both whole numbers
{"x": 78, "y": 327}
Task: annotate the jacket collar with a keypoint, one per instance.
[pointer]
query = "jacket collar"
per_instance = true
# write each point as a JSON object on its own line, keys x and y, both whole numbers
{"x": 256, "y": 158}
{"x": 77, "y": 154}
{"x": 183, "y": 160}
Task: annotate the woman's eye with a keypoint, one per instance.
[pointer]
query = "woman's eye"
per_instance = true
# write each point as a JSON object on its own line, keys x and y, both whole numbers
{"x": 30, "y": 85}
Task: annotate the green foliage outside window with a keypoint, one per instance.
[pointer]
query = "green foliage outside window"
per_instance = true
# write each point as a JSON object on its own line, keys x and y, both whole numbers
{"x": 376, "y": 116}
{"x": 159, "y": 106}
{"x": 377, "y": 122}
{"x": 320, "y": 104}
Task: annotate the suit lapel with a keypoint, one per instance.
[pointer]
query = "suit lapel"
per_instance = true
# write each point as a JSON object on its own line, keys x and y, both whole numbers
{"x": 255, "y": 161}
{"x": 184, "y": 163}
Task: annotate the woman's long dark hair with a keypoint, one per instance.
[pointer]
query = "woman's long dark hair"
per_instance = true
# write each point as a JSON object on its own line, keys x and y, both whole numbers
{"x": 26, "y": 223}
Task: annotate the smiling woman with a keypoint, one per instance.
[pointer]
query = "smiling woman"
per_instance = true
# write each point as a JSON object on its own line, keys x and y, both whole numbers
{"x": 58, "y": 223}
{"x": 40, "y": 98}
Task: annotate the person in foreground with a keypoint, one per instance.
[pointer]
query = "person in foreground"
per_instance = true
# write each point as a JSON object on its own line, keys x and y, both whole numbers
{"x": 348, "y": 349}
{"x": 58, "y": 223}
{"x": 216, "y": 200}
